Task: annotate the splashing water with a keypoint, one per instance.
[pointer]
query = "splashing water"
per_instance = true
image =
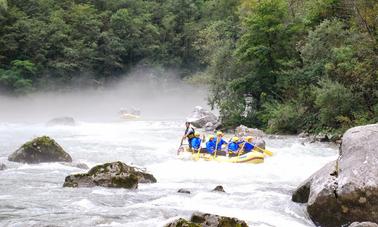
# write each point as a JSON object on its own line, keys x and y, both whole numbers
{"x": 259, "y": 194}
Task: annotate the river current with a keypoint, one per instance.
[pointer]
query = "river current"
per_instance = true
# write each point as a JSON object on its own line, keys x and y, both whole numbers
{"x": 32, "y": 195}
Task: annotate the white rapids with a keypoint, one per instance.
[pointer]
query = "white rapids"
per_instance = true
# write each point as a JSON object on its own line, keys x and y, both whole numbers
{"x": 32, "y": 195}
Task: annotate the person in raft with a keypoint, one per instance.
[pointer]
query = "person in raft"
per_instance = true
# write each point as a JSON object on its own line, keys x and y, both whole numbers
{"x": 189, "y": 134}
{"x": 219, "y": 142}
{"x": 248, "y": 144}
{"x": 233, "y": 147}
{"x": 196, "y": 142}
{"x": 210, "y": 145}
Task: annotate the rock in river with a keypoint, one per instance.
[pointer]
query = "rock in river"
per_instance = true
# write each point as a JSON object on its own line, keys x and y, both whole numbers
{"x": 257, "y": 134}
{"x": 67, "y": 121}
{"x": 219, "y": 188}
{"x": 346, "y": 190}
{"x": 3, "y": 166}
{"x": 245, "y": 131}
{"x": 207, "y": 220}
{"x": 114, "y": 175}
{"x": 200, "y": 117}
{"x": 41, "y": 149}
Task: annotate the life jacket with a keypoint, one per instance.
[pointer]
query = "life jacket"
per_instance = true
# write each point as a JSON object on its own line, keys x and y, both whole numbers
{"x": 196, "y": 143}
{"x": 191, "y": 134}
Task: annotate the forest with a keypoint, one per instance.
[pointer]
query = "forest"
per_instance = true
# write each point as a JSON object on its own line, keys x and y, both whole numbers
{"x": 286, "y": 66}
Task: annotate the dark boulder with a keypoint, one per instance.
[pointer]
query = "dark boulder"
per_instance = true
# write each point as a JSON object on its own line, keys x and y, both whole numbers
{"x": 41, "y": 149}
{"x": 66, "y": 121}
{"x": 218, "y": 188}
{"x": 182, "y": 190}
{"x": 2, "y": 166}
{"x": 114, "y": 175}
{"x": 208, "y": 220}
{"x": 345, "y": 191}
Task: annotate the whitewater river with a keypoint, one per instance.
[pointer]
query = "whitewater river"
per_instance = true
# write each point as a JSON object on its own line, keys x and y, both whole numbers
{"x": 32, "y": 195}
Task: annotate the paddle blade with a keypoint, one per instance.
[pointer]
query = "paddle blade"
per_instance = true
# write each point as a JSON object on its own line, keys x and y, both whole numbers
{"x": 268, "y": 152}
{"x": 180, "y": 149}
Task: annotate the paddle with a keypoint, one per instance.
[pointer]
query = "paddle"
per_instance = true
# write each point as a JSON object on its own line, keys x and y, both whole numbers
{"x": 241, "y": 149}
{"x": 216, "y": 148}
{"x": 199, "y": 149}
{"x": 182, "y": 140}
{"x": 267, "y": 152}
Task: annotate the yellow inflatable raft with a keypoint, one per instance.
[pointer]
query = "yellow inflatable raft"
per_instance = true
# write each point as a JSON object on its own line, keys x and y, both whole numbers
{"x": 253, "y": 157}
{"x": 127, "y": 116}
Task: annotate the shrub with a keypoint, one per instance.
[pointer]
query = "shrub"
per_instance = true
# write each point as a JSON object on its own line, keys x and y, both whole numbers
{"x": 335, "y": 102}
{"x": 283, "y": 117}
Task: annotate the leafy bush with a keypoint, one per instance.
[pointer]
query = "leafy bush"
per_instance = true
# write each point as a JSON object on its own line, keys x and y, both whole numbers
{"x": 335, "y": 102}
{"x": 283, "y": 117}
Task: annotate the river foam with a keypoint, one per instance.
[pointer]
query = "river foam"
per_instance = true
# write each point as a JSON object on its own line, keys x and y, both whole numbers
{"x": 260, "y": 194}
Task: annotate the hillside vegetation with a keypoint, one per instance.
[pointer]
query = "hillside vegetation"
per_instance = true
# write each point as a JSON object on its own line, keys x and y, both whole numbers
{"x": 283, "y": 65}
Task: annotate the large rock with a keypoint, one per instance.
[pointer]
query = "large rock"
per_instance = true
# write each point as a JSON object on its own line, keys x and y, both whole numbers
{"x": 346, "y": 191}
{"x": 243, "y": 131}
{"x": 257, "y": 134}
{"x": 207, "y": 220}
{"x": 66, "y": 121}
{"x": 363, "y": 224}
{"x": 259, "y": 142}
{"x": 41, "y": 149}
{"x": 3, "y": 166}
{"x": 200, "y": 117}
{"x": 325, "y": 174}
{"x": 114, "y": 175}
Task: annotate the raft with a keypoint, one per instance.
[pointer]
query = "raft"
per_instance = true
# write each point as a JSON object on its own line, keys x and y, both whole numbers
{"x": 127, "y": 116}
{"x": 253, "y": 157}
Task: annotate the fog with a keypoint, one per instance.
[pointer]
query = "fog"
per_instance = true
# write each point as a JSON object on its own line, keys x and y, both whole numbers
{"x": 157, "y": 97}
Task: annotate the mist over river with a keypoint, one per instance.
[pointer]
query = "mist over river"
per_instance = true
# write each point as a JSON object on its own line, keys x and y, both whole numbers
{"x": 32, "y": 195}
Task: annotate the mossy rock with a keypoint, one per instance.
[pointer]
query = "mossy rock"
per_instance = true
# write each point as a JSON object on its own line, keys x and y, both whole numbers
{"x": 209, "y": 220}
{"x": 114, "y": 175}
{"x": 182, "y": 223}
{"x": 40, "y": 149}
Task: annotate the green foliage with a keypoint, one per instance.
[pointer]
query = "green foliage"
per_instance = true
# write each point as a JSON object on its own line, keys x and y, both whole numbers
{"x": 306, "y": 65}
{"x": 284, "y": 117}
{"x": 335, "y": 102}
{"x": 284, "y": 65}
{"x": 18, "y": 77}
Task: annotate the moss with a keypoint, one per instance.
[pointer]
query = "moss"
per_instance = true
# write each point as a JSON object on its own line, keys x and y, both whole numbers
{"x": 129, "y": 182}
{"x": 182, "y": 223}
{"x": 231, "y": 222}
{"x": 39, "y": 141}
